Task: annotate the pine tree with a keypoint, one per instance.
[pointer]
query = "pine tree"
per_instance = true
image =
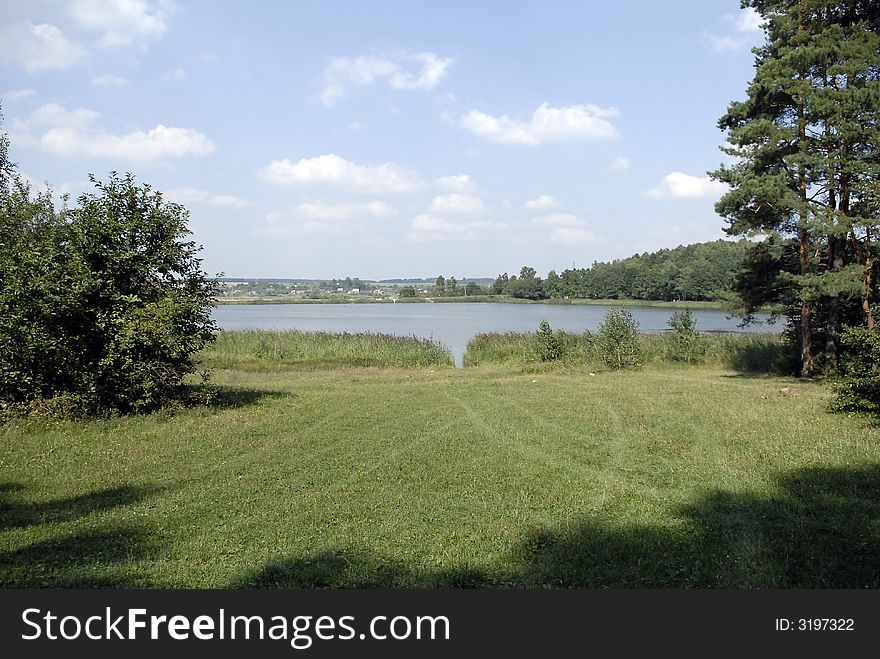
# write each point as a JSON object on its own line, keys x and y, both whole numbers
{"x": 806, "y": 146}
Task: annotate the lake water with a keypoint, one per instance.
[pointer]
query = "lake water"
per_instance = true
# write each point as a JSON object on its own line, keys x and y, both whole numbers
{"x": 453, "y": 324}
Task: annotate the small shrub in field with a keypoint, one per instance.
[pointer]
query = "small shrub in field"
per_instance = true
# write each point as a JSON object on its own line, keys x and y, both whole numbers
{"x": 859, "y": 389}
{"x": 686, "y": 344}
{"x": 617, "y": 340}
{"x": 550, "y": 347}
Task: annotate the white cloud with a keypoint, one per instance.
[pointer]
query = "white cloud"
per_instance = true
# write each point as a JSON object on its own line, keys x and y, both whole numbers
{"x": 619, "y": 164}
{"x": 429, "y": 223}
{"x": 122, "y": 22}
{"x": 571, "y": 236}
{"x": 331, "y": 169}
{"x": 109, "y": 80}
{"x": 325, "y": 218}
{"x": 432, "y": 71}
{"x": 39, "y": 47}
{"x": 568, "y": 229}
{"x": 18, "y": 94}
{"x": 676, "y": 185}
{"x": 342, "y": 212}
{"x": 205, "y": 198}
{"x": 457, "y": 202}
{"x": 547, "y": 124}
{"x": 426, "y": 227}
{"x": 175, "y": 75}
{"x": 723, "y": 43}
{"x": 455, "y": 183}
{"x": 72, "y": 133}
{"x": 345, "y": 72}
{"x": 747, "y": 20}
{"x": 430, "y": 227}
{"x": 748, "y": 26}
{"x": 559, "y": 220}
{"x": 489, "y": 224}
{"x": 112, "y": 23}
{"x": 56, "y": 116}
{"x": 543, "y": 202}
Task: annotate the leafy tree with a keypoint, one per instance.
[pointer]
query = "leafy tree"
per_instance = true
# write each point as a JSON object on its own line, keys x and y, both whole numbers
{"x": 7, "y": 168}
{"x": 553, "y": 285}
{"x": 105, "y": 302}
{"x": 686, "y": 344}
{"x": 499, "y": 286}
{"x": 617, "y": 339}
{"x": 440, "y": 285}
{"x": 528, "y": 285}
{"x": 407, "y": 291}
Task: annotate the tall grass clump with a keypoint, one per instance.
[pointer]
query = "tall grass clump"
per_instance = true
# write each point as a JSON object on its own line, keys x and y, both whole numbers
{"x": 529, "y": 348}
{"x": 764, "y": 353}
{"x": 496, "y": 348}
{"x": 277, "y": 350}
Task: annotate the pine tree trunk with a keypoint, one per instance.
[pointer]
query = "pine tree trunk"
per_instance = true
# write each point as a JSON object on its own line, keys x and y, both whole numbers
{"x": 832, "y": 325}
{"x": 863, "y": 253}
{"x": 806, "y": 311}
{"x": 866, "y": 292}
{"x": 804, "y": 250}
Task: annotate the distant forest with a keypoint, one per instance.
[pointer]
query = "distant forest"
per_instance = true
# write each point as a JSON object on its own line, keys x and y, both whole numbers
{"x": 702, "y": 271}
{"x": 699, "y": 272}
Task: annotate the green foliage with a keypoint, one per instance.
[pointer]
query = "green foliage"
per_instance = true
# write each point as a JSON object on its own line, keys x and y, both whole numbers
{"x": 617, "y": 340}
{"x": 104, "y": 303}
{"x": 549, "y": 347}
{"x": 747, "y": 353}
{"x": 686, "y": 345}
{"x": 408, "y": 291}
{"x": 806, "y": 142}
{"x": 859, "y": 389}
{"x": 702, "y": 271}
{"x": 520, "y": 349}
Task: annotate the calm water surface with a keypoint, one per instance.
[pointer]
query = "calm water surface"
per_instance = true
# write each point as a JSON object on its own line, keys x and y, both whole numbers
{"x": 452, "y": 324}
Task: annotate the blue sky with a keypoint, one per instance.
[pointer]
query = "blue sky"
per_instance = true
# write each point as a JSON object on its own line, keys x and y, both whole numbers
{"x": 385, "y": 139}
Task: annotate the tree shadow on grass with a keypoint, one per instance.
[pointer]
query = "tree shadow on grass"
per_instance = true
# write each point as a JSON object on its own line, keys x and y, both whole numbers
{"x": 93, "y": 558}
{"x": 14, "y": 513}
{"x": 90, "y": 559}
{"x": 219, "y": 397}
{"x": 821, "y": 530}
{"x": 356, "y": 569}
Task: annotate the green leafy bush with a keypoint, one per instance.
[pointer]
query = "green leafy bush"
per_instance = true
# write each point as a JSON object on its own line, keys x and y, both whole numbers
{"x": 859, "y": 389}
{"x": 549, "y": 347}
{"x": 103, "y": 303}
{"x": 686, "y": 344}
{"x": 617, "y": 340}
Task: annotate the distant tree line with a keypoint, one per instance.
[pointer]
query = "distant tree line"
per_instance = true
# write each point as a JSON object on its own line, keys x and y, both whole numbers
{"x": 703, "y": 271}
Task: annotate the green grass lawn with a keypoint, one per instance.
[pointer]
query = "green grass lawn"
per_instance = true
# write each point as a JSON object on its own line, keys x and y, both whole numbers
{"x": 672, "y": 476}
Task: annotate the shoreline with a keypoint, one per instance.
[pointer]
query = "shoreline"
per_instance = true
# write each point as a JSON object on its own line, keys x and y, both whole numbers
{"x": 682, "y": 304}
